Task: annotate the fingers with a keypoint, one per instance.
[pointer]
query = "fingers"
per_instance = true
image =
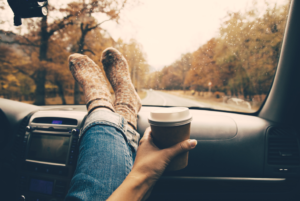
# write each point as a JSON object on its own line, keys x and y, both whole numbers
{"x": 147, "y": 133}
{"x": 146, "y": 136}
{"x": 181, "y": 147}
{"x": 174, "y": 150}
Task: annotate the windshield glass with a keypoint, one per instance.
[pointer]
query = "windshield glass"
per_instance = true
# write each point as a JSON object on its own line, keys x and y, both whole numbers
{"x": 216, "y": 54}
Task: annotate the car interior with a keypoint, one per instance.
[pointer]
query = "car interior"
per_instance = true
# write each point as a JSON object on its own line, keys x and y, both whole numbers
{"x": 239, "y": 156}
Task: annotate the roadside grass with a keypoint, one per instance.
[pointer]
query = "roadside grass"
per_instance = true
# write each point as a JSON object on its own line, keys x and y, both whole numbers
{"x": 57, "y": 101}
{"x": 212, "y": 101}
{"x": 209, "y": 101}
{"x": 70, "y": 99}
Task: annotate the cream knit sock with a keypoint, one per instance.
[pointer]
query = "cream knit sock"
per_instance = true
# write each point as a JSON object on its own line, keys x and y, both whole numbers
{"x": 92, "y": 80}
{"x": 127, "y": 102}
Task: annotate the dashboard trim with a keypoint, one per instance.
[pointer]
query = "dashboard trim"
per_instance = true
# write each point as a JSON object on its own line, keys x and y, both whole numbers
{"x": 224, "y": 178}
{"x": 47, "y": 163}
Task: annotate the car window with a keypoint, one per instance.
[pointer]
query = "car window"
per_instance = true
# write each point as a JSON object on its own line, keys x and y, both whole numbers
{"x": 208, "y": 54}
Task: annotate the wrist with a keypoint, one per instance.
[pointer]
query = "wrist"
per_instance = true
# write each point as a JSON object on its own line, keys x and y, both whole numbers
{"x": 134, "y": 187}
{"x": 141, "y": 179}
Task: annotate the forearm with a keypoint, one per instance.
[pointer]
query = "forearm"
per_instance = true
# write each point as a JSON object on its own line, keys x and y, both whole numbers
{"x": 149, "y": 165}
{"x": 134, "y": 188}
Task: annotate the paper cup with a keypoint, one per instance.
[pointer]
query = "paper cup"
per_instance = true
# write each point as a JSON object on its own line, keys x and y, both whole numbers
{"x": 170, "y": 126}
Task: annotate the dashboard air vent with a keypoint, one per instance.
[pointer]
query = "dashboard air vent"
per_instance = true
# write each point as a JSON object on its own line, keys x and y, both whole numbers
{"x": 283, "y": 147}
{"x": 17, "y": 154}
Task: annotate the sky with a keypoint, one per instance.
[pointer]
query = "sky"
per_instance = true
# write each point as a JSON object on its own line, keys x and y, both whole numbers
{"x": 168, "y": 28}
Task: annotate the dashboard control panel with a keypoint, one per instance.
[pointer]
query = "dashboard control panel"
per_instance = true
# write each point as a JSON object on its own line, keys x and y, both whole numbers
{"x": 50, "y": 151}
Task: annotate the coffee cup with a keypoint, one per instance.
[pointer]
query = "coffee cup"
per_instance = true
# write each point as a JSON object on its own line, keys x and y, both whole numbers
{"x": 170, "y": 126}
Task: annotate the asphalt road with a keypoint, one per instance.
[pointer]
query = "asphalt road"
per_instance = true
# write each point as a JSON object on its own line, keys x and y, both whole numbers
{"x": 165, "y": 99}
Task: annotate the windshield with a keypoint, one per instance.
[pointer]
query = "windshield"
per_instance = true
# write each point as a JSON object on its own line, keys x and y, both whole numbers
{"x": 217, "y": 54}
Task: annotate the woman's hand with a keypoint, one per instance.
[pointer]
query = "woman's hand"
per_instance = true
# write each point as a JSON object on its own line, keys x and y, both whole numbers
{"x": 152, "y": 161}
{"x": 149, "y": 164}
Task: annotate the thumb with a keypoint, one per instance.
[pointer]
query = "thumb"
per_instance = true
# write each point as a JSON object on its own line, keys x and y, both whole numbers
{"x": 182, "y": 147}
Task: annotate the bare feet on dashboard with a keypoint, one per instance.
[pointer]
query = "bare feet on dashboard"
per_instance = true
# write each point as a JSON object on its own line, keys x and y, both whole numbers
{"x": 127, "y": 102}
{"x": 92, "y": 80}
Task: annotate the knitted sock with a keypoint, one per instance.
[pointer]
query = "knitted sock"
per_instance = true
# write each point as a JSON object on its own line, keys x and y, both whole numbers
{"x": 92, "y": 80}
{"x": 127, "y": 102}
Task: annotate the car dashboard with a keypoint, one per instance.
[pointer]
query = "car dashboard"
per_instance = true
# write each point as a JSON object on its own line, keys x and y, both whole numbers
{"x": 237, "y": 155}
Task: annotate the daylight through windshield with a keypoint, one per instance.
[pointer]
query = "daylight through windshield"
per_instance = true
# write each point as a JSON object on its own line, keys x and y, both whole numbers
{"x": 216, "y": 54}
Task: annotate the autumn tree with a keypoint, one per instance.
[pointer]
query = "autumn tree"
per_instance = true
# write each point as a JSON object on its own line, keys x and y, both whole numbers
{"x": 185, "y": 64}
{"x": 11, "y": 55}
{"x": 172, "y": 76}
{"x": 138, "y": 66}
{"x": 37, "y": 41}
{"x": 251, "y": 45}
{"x": 153, "y": 80}
{"x": 8, "y": 58}
{"x": 204, "y": 69}
{"x": 78, "y": 14}
{"x": 241, "y": 61}
{"x": 175, "y": 74}
{"x": 84, "y": 11}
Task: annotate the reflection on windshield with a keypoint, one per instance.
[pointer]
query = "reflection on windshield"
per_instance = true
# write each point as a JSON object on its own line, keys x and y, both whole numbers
{"x": 231, "y": 70}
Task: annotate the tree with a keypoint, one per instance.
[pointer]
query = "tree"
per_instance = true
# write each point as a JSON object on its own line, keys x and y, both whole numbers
{"x": 204, "y": 69}
{"x": 138, "y": 66}
{"x": 40, "y": 74}
{"x": 84, "y": 11}
{"x": 251, "y": 44}
{"x": 78, "y": 14}
{"x": 172, "y": 76}
{"x": 154, "y": 80}
{"x": 37, "y": 39}
{"x": 8, "y": 58}
{"x": 242, "y": 61}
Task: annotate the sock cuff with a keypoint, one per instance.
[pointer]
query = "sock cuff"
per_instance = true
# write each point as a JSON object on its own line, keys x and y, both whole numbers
{"x": 99, "y": 102}
{"x": 130, "y": 116}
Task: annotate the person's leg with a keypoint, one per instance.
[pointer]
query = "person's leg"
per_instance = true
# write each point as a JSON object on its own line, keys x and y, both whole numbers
{"x": 127, "y": 102}
{"x": 107, "y": 145}
{"x": 105, "y": 157}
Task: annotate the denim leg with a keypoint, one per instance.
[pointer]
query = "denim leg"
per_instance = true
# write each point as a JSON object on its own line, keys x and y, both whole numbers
{"x": 105, "y": 159}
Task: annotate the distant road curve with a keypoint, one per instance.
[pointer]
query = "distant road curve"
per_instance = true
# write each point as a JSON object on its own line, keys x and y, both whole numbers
{"x": 164, "y": 99}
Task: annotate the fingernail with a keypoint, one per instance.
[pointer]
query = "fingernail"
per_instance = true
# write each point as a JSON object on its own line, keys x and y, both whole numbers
{"x": 193, "y": 143}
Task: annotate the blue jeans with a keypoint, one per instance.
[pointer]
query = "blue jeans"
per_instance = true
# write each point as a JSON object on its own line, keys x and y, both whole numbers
{"x": 106, "y": 156}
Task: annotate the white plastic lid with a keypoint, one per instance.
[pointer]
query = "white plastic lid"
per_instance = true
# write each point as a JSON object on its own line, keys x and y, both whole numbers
{"x": 172, "y": 116}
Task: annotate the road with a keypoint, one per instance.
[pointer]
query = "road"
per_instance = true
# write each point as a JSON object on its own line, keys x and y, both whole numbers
{"x": 165, "y": 99}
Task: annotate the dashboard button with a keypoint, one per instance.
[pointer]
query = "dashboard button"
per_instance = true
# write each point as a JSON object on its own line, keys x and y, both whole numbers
{"x": 33, "y": 167}
{"x": 22, "y": 197}
{"x": 61, "y": 171}
{"x": 28, "y": 128}
{"x": 48, "y": 170}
